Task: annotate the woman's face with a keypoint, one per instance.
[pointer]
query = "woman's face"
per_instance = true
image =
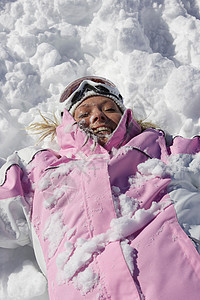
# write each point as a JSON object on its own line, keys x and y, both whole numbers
{"x": 99, "y": 114}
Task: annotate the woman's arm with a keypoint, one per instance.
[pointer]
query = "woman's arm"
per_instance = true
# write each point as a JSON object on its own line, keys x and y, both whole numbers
{"x": 14, "y": 205}
{"x": 182, "y": 145}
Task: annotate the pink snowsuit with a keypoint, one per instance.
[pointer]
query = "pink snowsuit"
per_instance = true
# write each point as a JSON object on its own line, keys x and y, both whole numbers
{"x": 99, "y": 229}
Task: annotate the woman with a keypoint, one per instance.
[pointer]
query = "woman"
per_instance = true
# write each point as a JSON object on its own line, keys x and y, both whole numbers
{"x": 99, "y": 214}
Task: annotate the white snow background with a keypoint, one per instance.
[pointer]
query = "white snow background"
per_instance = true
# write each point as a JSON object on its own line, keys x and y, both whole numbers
{"x": 149, "y": 49}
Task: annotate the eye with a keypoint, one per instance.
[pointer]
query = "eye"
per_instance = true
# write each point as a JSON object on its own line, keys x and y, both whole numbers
{"x": 83, "y": 115}
{"x": 110, "y": 109}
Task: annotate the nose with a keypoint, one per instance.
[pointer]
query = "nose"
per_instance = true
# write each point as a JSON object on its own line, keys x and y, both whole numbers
{"x": 97, "y": 116}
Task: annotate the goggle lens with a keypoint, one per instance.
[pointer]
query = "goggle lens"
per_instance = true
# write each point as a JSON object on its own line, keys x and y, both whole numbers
{"x": 75, "y": 84}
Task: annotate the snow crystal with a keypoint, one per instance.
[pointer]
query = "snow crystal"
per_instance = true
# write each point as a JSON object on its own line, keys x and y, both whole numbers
{"x": 80, "y": 242}
{"x": 154, "y": 167}
{"x": 85, "y": 281}
{"x": 44, "y": 183}
{"x": 57, "y": 194}
{"x": 71, "y": 232}
{"x": 83, "y": 255}
{"x": 128, "y": 205}
{"x": 124, "y": 205}
{"x": 125, "y": 226}
{"x": 64, "y": 256}
{"x": 54, "y": 232}
{"x": 128, "y": 253}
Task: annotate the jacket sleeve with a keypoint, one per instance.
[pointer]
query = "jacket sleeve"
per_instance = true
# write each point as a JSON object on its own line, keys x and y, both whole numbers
{"x": 14, "y": 204}
{"x": 182, "y": 145}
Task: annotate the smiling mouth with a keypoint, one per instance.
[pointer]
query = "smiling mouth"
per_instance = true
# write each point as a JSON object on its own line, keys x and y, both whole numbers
{"x": 102, "y": 130}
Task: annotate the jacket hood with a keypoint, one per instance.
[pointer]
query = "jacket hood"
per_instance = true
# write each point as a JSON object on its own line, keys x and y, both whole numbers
{"x": 72, "y": 139}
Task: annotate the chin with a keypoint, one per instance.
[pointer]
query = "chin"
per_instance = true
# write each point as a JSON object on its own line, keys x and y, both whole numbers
{"x": 102, "y": 141}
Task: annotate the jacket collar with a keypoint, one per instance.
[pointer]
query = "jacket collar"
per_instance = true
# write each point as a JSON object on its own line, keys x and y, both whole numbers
{"x": 73, "y": 140}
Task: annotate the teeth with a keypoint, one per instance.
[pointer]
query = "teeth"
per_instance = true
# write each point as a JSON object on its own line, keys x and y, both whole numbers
{"x": 99, "y": 129}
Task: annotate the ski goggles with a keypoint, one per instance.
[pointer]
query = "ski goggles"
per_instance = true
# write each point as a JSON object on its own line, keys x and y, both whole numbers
{"x": 85, "y": 87}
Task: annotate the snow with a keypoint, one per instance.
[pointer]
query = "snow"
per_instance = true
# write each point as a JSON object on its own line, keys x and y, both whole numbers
{"x": 71, "y": 264}
{"x": 149, "y": 49}
{"x": 85, "y": 281}
{"x": 184, "y": 188}
{"x": 128, "y": 253}
{"x": 21, "y": 284}
{"x": 54, "y": 232}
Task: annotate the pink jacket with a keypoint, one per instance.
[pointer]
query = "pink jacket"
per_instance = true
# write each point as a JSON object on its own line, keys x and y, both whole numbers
{"x": 99, "y": 228}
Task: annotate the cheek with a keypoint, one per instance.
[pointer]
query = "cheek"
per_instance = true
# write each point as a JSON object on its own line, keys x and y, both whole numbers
{"x": 84, "y": 122}
{"x": 117, "y": 118}
{"x": 81, "y": 121}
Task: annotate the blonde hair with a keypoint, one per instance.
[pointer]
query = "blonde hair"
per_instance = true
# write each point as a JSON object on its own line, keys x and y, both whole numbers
{"x": 45, "y": 128}
{"x": 144, "y": 125}
{"x": 48, "y": 127}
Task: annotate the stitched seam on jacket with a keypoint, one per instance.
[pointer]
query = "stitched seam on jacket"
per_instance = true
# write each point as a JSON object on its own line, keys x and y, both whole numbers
{"x": 86, "y": 210}
{"x": 182, "y": 232}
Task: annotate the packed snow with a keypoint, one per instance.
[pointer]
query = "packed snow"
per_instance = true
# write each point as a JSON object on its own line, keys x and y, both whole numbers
{"x": 149, "y": 49}
{"x": 184, "y": 188}
{"x": 71, "y": 262}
